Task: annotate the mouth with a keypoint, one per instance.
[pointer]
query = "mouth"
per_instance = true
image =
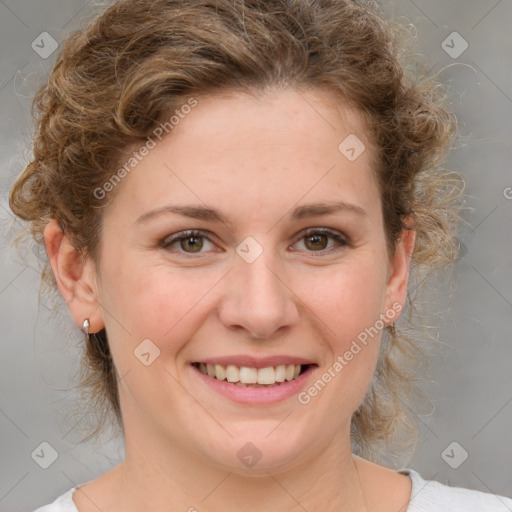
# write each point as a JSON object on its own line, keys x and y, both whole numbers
{"x": 251, "y": 377}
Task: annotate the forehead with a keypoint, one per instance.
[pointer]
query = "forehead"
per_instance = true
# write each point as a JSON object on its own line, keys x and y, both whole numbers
{"x": 256, "y": 153}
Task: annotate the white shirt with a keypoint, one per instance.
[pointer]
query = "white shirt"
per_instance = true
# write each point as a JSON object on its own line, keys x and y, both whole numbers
{"x": 426, "y": 496}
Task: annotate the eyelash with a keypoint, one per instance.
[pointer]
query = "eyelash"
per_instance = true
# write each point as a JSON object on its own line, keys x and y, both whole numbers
{"x": 168, "y": 241}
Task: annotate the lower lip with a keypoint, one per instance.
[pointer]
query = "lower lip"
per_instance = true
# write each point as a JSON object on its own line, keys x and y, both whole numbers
{"x": 257, "y": 396}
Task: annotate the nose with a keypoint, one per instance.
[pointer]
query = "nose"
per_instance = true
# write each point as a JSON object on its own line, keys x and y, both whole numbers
{"x": 258, "y": 299}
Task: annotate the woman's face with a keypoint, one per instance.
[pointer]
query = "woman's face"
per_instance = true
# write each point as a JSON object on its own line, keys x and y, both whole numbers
{"x": 276, "y": 283}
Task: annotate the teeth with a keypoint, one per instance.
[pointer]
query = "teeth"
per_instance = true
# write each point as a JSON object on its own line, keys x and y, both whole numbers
{"x": 249, "y": 375}
{"x": 280, "y": 373}
{"x": 232, "y": 373}
{"x": 220, "y": 372}
{"x": 245, "y": 375}
{"x": 267, "y": 375}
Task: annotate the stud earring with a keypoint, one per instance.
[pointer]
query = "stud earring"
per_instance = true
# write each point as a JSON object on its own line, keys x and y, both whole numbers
{"x": 85, "y": 326}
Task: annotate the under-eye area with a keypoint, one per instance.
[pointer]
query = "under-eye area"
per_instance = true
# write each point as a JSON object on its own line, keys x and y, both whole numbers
{"x": 252, "y": 377}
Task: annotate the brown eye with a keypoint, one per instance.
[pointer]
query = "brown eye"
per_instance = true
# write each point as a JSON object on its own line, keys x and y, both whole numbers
{"x": 318, "y": 241}
{"x": 187, "y": 242}
{"x": 195, "y": 243}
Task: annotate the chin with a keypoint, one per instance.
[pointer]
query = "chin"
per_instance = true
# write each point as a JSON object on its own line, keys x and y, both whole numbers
{"x": 257, "y": 451}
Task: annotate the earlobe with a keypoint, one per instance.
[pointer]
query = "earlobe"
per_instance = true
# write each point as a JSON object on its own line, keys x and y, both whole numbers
{"x": 74, "y": 275}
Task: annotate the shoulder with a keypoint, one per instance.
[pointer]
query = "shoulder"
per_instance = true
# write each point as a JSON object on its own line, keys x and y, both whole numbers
{"x": 433, "y": 496}
{"x": 63, "y": 503}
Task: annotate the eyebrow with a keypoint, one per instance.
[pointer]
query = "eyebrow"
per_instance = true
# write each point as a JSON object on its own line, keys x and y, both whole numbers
{"x": 205, "y": 213}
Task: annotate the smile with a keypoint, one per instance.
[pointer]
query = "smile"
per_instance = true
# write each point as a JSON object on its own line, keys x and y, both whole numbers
{"x": 252, "y": 377}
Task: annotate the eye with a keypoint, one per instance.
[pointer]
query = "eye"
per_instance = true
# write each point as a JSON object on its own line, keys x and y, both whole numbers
{"x": 317, "y": 240}
{"x": 190, "y": 242}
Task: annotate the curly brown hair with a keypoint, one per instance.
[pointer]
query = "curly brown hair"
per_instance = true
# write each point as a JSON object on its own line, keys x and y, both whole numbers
{"x": 118, "y": 78}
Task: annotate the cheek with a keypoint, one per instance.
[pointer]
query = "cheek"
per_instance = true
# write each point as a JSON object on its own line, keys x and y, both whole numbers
{"x": 157, "y": 302}
{"x": 351, "y": 328}
{"x": 348, "y": 299}
{"x": 349, "y": 302}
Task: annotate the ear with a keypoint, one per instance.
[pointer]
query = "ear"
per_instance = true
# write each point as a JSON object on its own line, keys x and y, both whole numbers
{"x": 398, "y": 276}
{"x": 75, "y": 277}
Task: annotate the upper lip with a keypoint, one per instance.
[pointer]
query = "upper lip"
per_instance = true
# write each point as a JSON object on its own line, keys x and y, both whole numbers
{"x": 256, "y": 362}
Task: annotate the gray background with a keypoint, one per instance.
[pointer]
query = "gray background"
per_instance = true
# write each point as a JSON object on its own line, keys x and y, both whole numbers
{"x": 472, "y": 376}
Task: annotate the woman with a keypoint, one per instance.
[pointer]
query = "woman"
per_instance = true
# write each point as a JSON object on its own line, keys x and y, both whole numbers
{"x": 232, "y": 197}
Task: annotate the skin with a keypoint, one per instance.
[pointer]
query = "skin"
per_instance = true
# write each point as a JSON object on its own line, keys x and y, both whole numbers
{"x": 254, "y": 159}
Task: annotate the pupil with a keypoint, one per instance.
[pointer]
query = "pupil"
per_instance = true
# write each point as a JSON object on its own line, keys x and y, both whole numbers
{"x": 195, "y": 245}
{"x": 316, "y": 240}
